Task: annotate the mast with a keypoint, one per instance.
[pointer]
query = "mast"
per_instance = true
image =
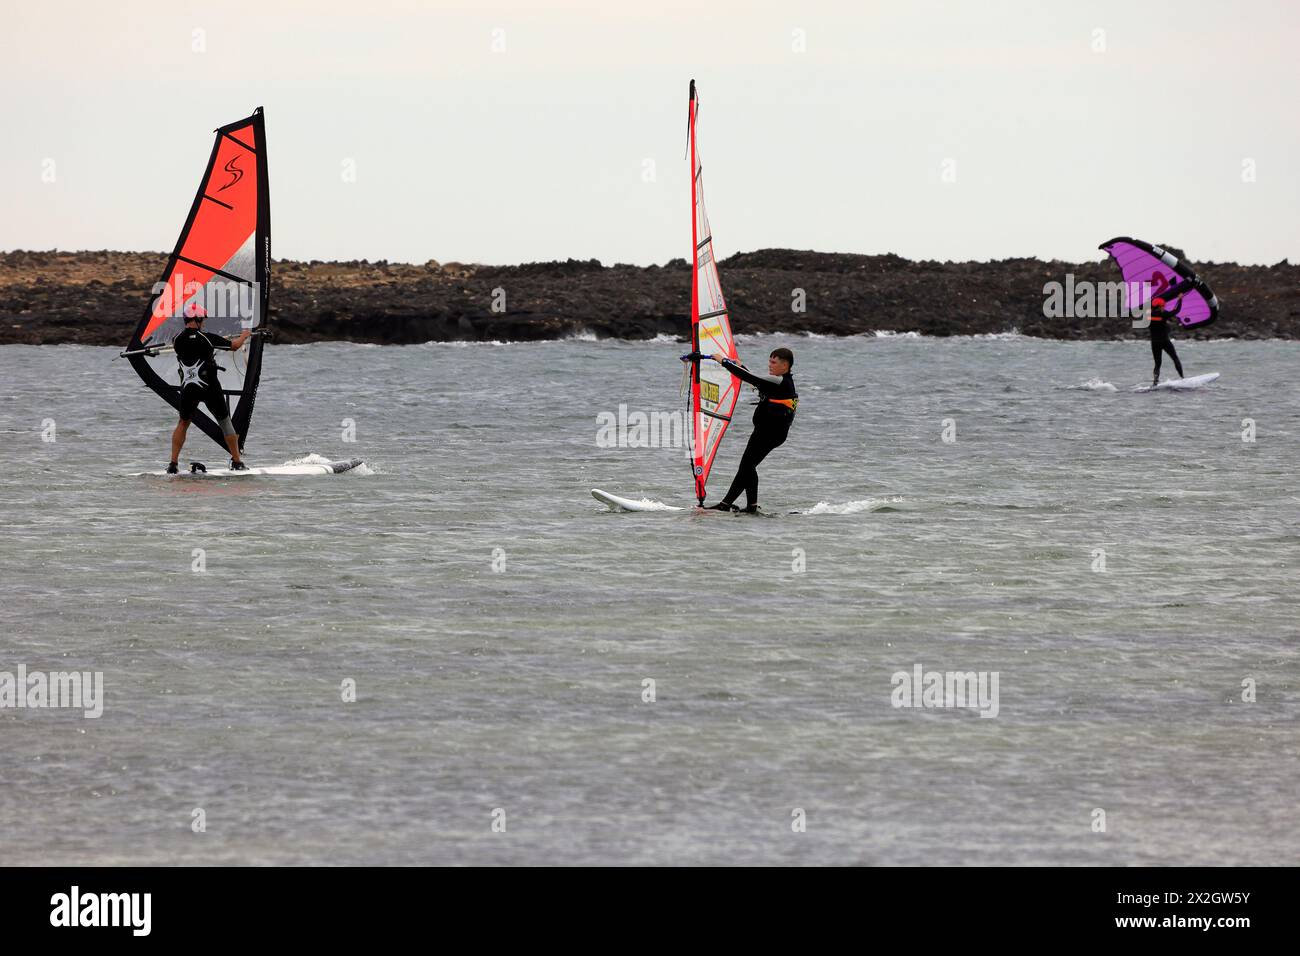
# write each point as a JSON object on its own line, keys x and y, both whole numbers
{"x": 696, "y": 462}
{"x": 714, "y": 392}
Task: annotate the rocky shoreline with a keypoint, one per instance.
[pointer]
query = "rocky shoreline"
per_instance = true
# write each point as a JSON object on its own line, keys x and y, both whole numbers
{"x": 96, "y": 298}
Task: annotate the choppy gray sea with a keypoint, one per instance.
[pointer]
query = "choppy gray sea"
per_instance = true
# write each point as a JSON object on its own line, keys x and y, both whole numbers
{"x": 1126, "y": 564}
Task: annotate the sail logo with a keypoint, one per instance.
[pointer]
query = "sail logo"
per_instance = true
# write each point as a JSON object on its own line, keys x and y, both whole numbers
{"x": 1085, "y": 299}
{"x": 132, "y": 910}
{"x": 218, "y": 298}
{"x": 236, "y": 174}
{"x": 711, "y": 335}
{"x": 975, "y": 690}
{"x": 637, "y": 429}
{"x": 71, "y": 690}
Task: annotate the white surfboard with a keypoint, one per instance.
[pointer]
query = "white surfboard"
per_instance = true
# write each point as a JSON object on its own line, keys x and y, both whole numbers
{"x": 617, "y": 503}
{"x": 1179, "y": 384}
{"x": 292, "y": 469}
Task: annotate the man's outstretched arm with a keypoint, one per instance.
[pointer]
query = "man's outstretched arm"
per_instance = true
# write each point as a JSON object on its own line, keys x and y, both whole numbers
{"x": 745, "y": 375}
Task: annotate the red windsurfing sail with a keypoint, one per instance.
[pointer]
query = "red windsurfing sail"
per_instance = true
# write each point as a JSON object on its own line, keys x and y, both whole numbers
{"x": 221, "y": 263}
{"x": 714, "y": 391}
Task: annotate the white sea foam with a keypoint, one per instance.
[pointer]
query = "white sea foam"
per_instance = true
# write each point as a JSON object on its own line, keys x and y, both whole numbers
{"x": 459, "y": 344}
{"x": 1011, "y": 336}
{"x": 851, "y": 507}
{"x": 1093, "y": 385}
{"x": 311, "y": 458}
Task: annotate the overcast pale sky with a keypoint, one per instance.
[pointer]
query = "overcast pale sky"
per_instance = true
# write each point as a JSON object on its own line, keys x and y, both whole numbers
{"x": 508, "y": 132}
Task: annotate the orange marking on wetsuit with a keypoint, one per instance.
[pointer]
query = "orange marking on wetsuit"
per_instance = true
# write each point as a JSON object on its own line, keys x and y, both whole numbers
{"x": 790, "y": 403}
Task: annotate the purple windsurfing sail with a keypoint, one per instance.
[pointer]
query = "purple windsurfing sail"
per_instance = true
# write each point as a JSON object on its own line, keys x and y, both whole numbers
{"x": 1151, "y": 272}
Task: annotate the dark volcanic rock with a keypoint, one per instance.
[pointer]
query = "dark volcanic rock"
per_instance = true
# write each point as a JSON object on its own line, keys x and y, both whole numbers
{"x": 98, "y": 297}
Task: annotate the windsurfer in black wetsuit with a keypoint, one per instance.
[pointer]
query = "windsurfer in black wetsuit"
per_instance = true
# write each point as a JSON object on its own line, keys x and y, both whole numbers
{"x": 1161, "y": 316}
{"x": 777, "y": 401}
{"x": 196, "y": 352}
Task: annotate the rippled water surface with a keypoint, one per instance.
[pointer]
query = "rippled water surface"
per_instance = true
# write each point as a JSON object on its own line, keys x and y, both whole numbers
{"x": 500, "y": 625}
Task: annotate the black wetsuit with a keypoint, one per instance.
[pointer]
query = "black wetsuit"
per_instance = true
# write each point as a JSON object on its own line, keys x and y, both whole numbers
{"x": 777, "y": 401}
{"x": 1160, "y": 319}
{"x": 196, "y": 353}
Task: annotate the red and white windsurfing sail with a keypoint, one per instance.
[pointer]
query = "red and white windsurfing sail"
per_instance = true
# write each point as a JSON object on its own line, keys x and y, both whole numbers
{"x": 221, "y": 264}
{"x": 714, "y": 391}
